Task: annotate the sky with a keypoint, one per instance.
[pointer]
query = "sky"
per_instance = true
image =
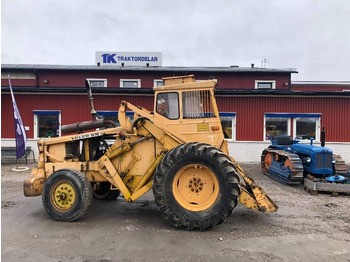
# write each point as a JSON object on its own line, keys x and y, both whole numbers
{"x": 311, "y": 36}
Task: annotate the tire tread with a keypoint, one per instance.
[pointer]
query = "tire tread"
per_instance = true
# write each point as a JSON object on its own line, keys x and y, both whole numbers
{"x": 203, "y": 152}
{"x": 83, "y": 189}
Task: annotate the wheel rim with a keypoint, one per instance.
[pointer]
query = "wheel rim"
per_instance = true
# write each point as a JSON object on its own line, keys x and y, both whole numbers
{"x": 268, "y": 160}
{"x": 195, "y": 187}
{"x": 63, "y": 195}
{"x": 288, "y": 163}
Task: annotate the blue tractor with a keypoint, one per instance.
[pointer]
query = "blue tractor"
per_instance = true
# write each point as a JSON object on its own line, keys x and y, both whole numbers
{"x": 288, "y": 161}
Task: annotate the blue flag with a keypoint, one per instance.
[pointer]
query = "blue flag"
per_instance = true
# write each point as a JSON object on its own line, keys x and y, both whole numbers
{"x": 21, "y": 137}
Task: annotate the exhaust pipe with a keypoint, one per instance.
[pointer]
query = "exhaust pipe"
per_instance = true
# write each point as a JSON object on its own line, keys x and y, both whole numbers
{"x": 93, "y": 124}
{"x": 323, "y": 137}
{"x": 81, "y": 126}
{"x": 92, "y": 112}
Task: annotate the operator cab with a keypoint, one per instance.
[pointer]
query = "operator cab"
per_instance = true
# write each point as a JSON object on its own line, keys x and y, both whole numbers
{"x": 192, "y": 101}
{"x": 189, "y": 107}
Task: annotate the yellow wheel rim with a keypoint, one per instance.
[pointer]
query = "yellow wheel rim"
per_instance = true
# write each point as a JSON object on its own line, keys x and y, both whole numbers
{"x": 195, "y": 187}
{"x": 63, "y": 195}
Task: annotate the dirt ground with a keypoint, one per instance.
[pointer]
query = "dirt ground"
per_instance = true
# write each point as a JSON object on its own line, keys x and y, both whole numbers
{"x": 305, "y": 228}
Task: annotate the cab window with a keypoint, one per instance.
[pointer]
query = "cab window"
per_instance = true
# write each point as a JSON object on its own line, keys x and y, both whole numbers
{"x": 197, "y": 104}
{"x": 168, "y": 105}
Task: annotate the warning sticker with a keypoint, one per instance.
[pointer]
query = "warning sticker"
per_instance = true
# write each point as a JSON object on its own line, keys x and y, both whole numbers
{"x": 202, "y": 127}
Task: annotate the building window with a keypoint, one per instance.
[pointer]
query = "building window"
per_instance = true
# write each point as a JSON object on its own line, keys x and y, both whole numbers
{"x": 265, "y": 84}
{"x": 113, "y": 116}
{"x": 47, "y": 124}
{"x": 168, "y": 105}
{"x": 276, "y": 126}
{"x": 94, "y": 82}
{"x": 228, "y": 123}
{"x": 305, "y": 125}
{"x": 158, "y": 82}
{"x": 130, "y": 83}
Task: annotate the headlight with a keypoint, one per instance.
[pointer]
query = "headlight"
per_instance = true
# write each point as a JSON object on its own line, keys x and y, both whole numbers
{"x": 333, "y": 161}
{"x": 308, "y": 159}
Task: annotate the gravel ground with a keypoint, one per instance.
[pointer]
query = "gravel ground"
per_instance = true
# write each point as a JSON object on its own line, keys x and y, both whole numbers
{"x": 305, "y": 228}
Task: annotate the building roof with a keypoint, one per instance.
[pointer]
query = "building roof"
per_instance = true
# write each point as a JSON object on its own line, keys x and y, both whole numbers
{"x": 150, "y": 91}
{"x": 231, "y": 69}
{"x": 319, "y": 83}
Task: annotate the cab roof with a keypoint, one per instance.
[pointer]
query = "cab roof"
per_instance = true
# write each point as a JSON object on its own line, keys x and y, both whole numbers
{"x": 184, "y": 83}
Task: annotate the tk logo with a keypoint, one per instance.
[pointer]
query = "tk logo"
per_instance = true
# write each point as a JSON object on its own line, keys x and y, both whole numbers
{"x": 109, "y": 58}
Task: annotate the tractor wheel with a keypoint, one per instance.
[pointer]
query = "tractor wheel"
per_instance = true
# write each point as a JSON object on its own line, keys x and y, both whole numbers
{"x": 268, "y": 160}
{"x": 66, "y": 195}
{"x": 196, "y": 186}
{"x": 102, "y": 190}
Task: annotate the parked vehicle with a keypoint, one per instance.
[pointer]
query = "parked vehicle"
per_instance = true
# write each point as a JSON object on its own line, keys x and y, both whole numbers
{"x": 178, "y": 150}
{"x": 288, "y": 161}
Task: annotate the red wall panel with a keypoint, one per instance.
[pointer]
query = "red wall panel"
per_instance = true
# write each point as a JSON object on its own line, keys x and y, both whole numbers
{"x": 18, "y": 82}
{"x": 76, "y": 78}
{"x": 249, "y": 119}
{"x": 74, "y": 108}
{"x": 250, "y": 114}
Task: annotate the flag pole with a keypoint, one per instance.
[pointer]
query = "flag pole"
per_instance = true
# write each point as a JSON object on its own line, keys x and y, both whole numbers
{"x": 20, "y": 132}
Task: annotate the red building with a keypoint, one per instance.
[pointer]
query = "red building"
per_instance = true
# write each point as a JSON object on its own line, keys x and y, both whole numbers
{"x": 254, "y": 102}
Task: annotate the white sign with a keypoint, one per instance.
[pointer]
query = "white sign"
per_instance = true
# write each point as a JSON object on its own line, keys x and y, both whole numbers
{"x": 79, "y": 137}
{"x": 129, "y": 58}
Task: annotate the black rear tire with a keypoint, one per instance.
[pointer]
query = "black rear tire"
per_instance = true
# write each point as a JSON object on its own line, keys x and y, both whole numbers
{"x": 196, "y": 186}
{"x": 66, "y": 195}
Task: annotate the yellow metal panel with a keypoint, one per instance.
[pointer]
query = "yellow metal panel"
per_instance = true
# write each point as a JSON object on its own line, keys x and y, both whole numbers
{"x": 149, "y": 172}
{"x": 86, "y": 150}
{"x": 188, "y": 86}
{"x": 110, "y": 173}
{"x": 263, "y": 200}
{"x": 74, "y": 137}
{"x": 178, "y": 80}
{"x": 56, "y": 152}
{"x": 248, "y": 199}
{"x": 141, "y": 192}
{"x": 203, "y": 127}
{"x": 33, "y": 186}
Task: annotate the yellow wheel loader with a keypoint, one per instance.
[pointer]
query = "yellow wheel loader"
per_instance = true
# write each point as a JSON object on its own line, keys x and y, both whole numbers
{"x": 178, "y": 150}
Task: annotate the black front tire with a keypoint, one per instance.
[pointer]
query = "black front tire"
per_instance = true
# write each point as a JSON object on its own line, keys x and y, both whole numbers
{"x": 66, "y": 195}
{"x": 174, "y": 186}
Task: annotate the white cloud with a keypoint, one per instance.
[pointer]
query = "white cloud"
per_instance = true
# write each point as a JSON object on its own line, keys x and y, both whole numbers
{"x": 311, "y": 36}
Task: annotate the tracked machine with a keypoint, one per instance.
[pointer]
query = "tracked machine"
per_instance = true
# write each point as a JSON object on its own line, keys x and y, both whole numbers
{"x": 290, "y": 162}
{"x": 178, "y": 150}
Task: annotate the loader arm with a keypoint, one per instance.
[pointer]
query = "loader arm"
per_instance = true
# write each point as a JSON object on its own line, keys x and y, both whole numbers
{"x": 166, "y": 130}
{"x": 253, "y": 196}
